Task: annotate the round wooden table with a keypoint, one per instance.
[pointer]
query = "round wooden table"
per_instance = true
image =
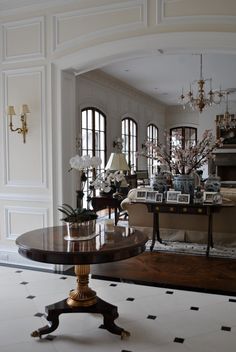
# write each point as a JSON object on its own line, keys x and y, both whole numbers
{"x": 49, "y": 246}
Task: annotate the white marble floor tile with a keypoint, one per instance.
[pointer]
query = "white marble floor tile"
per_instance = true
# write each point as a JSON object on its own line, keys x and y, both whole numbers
{"x": 218, "y": 341}
{"x": 13, "y": 331}
{"x": 32, "y": 346}
{"x": 159, "y": 319}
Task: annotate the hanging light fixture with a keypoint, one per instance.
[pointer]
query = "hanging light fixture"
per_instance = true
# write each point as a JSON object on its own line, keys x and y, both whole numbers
{"x": 197, "y": 98}
{"x": 226, "y": 121}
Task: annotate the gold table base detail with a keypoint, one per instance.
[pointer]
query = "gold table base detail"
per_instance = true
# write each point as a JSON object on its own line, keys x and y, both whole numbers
{"x": 83, "y": 295}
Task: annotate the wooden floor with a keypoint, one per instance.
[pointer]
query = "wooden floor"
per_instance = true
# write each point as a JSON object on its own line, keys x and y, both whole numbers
{"x": 198, "y": 273}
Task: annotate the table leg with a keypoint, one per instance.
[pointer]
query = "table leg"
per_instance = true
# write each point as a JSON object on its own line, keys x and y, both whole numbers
{"x": 210, "y": 238}
{"x": 116, "y": 215}
{"x": 156, "y": 230}
{"x": 82, "y": 300}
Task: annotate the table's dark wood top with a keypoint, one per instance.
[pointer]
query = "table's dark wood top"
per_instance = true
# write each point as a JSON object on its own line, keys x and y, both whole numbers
{"x": 49, "y": 246}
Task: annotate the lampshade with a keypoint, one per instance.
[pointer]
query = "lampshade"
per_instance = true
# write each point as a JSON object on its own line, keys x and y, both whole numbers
{"x": 117, "y": 161}
{"x": 11, "y": 110}
{"x": 25, "y": 109}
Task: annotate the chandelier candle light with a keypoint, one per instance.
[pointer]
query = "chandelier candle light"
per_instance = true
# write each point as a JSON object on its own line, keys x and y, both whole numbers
{"x": 201, "y": 100}
{"x": 226, "y": 121}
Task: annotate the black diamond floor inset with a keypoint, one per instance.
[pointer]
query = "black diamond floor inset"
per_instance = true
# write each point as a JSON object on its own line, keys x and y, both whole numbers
{"x": 30, "y": 297}
{"x": 194, "y": 308}
{"x": 226, "y": 328}
{"x": 24, "y": 283}
{"x": 39, "y": 315}
{"x": 179, "y": 340}
{"x": 153, "y": 317}
{"x": 130, "y": 299}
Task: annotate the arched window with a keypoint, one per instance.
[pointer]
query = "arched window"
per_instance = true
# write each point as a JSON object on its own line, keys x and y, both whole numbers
{"x": 129, "y": 135}
{"x": 183, "y": 136}
{"x": 152, "y": 136}
{"x": 93, "y": 127}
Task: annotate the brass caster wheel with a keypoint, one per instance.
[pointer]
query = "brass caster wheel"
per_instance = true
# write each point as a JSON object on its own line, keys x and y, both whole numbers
{"x": 124, "y": 334}
{"x": 35, "y": 334}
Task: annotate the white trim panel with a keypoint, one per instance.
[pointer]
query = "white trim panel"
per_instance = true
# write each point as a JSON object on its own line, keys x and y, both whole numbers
{"x": 64, "y": 37}
{"x": 12, "y": 215}
{"x": 163, "y": 19}
{"x": 40, "y": 103}
{"x": 26, "y": 197}
{"x": 33, "y": 29}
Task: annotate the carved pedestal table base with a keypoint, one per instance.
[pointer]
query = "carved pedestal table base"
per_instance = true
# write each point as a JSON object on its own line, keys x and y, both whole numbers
{"x": 82, "y": 300}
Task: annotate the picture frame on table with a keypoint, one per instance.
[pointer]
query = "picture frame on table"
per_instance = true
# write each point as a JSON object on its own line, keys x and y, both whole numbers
{"x": 141, "y": 195}
{"x": 159, "y": 197}
{"x": 154, "y": 196}
{"x": 183, "y": 198}
{"x": 151, "y": 196}
{"x": 208, "y": 197}
{"x": 172, "y": 196}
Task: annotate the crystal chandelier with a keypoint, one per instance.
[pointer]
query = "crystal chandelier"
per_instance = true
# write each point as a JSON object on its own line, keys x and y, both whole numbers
{"x": 226, "y": 121}
{"x": 197, "y": 98}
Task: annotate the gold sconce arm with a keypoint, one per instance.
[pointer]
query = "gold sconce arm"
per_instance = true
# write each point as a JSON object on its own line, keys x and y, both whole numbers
{"x": 23, "y": 117}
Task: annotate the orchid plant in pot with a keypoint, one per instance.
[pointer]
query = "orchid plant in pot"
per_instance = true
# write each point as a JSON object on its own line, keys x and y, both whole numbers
{"x": 80, "y": 221}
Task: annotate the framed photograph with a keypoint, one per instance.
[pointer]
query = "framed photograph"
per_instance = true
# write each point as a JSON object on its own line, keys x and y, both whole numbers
{"x": 172, "y": 196}
{"x": 183, "y": 198}
{"x": 151, "y": 196}
{"x": 159, "y": 197}
{"x": 208, "y": 197}
{"x": 141, "y": 195}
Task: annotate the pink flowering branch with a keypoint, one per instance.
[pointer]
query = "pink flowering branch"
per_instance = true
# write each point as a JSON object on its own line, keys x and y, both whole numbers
{"x": 183, "y": 161}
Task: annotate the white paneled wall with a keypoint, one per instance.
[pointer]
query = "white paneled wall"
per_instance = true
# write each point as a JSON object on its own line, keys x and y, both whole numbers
{"x": 24, "y": 40}
{"x": 41, "y": 41}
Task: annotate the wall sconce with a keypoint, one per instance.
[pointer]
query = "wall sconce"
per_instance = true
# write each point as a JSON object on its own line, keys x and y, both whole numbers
{"x": 23, "y": 117}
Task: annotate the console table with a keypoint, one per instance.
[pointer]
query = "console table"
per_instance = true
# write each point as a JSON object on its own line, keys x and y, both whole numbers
{"x": 48, "y": 245}
{"x": 103, "y": 202}
{"x": 191, "y": 209}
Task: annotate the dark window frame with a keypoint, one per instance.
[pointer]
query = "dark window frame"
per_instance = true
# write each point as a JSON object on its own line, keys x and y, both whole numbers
{"x": 127, "y": 134}
{"x": 94, "y": 151}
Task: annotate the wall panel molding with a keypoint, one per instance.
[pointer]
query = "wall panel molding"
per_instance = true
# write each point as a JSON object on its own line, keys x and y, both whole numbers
{"x": 25, "y": 197}
{"x": 30, "y": 42}
{"x": 14, "y": 213}
{"x": 128, "y": 15}
{"x": 37, "y": 74}
{"x": 188, "y": 16}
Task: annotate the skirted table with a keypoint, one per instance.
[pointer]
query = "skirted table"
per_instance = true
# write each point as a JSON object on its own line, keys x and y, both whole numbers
{"x": 48, "y": 245}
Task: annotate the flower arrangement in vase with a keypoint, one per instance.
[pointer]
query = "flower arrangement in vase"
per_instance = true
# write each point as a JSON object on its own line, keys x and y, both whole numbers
{"x": 182, "y": 163}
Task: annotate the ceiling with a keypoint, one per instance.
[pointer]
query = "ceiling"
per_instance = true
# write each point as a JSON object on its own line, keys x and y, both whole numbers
{"x": 163, "y": 75}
